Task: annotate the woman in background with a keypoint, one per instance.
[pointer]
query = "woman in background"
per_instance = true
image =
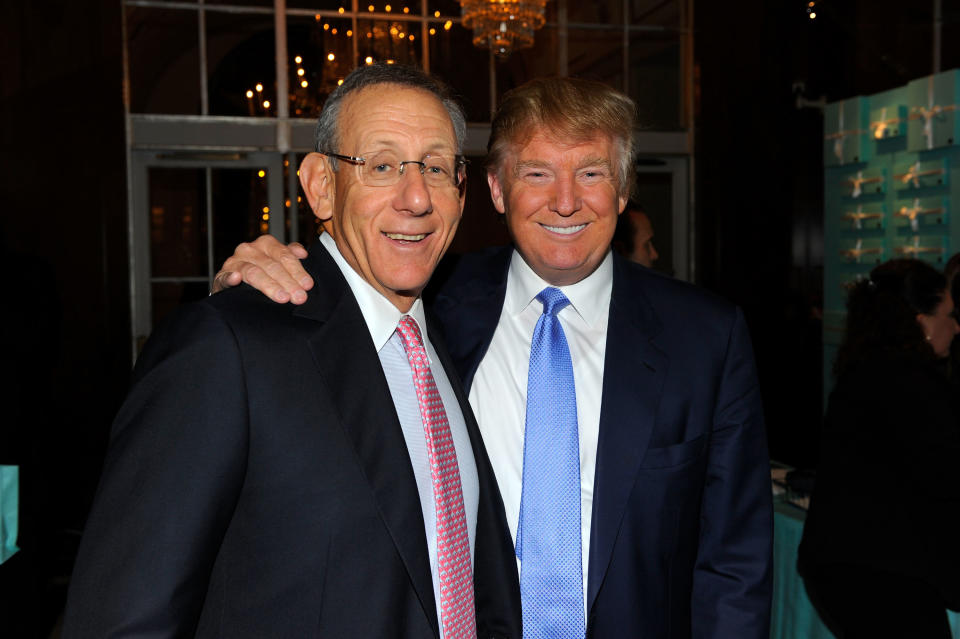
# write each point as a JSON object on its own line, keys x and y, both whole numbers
{"x": 880, "y": 554}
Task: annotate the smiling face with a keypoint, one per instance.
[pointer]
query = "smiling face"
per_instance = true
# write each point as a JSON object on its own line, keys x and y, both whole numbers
{"x": 393, "y": 236}
{"x": 561, "y": 203}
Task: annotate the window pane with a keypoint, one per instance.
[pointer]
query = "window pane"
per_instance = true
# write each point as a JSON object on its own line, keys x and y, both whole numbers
{"x": 655, "y": 12}
{"x": 596, "y": 54}
{"x": 596, "y": 12}
{"x": 313, "y": 42}
{"x": 239, "y": 204}
{"x": 307, "y": 225}
{"x": 451, "y": 51}
{"x": 445, "y": 7}
{"x": 178, "y": 222}
{"x": 654, "y": 194}
{"x": 164, "y": 60}
{"x": 529, "y": 63}
{"x": 389, "y": 40}
{"x": 240, "y": 56}
{"x": 654, "y": 78}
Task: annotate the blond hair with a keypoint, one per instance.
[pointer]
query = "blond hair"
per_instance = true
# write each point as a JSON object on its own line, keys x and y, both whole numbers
{"x": 571, "y": 110}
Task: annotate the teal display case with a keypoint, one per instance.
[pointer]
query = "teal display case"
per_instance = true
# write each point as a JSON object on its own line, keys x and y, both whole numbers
{"x": 891, "y": 188}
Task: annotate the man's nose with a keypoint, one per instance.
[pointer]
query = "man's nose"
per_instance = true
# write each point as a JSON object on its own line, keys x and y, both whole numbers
{"x": 566, "y": 197}
{"x": 414, "y": 193}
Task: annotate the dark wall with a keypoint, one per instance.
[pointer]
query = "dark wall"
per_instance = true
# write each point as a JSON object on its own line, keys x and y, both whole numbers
{"x": 759, "y": 168}
{"x": 65, "y": 323}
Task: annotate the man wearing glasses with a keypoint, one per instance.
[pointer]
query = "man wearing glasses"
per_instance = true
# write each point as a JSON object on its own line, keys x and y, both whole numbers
{"x": 314, "y": 470}
{"x": 620, "y": 408}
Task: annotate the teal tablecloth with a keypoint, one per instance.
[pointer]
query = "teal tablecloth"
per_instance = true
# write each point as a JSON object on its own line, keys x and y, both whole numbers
{"x": 793, "y": 614}
{"x": 9, "y": 504}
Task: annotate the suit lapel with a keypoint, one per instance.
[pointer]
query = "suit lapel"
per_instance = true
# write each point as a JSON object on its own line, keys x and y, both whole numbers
{"x": 633, "y": 375}
{"x": 344, "y": 355}
{"x": 469, "y": 309}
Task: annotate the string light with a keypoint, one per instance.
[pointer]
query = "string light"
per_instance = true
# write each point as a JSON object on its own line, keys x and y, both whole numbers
{"x": 266, "y": 209}
{"x": 388, "y": 8}
{"x": 266, "y": 104}
{"x": 261, "y": 173}
{"x": 298, "y": 59}
{"x": 304, "y": 84}
{"x": 249, "y": 93}
{"x": 300, "y": 72}
{"x": 331, "y": 57}
{"x": 259, "y": 87}
{"x": 349, "y": 33}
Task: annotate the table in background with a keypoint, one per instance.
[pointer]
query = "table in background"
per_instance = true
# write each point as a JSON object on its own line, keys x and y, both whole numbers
{"x": 793, "y": 615}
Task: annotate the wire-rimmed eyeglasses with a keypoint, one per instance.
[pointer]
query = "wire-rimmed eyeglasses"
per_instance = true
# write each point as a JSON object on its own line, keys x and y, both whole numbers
{"x": 385, "y": 168}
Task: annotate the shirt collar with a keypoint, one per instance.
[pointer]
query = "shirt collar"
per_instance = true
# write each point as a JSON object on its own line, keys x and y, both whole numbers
{"x": 379, "y": 313}
{"x": 590, "y": 297}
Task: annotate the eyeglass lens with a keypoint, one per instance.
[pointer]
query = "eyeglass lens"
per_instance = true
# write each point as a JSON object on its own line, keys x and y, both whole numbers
{"x": 385, "y": 168}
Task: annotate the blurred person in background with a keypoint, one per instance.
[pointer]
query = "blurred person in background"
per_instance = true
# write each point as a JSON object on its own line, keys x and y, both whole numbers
{"x": 880, "y": 555}
{"x": 633, "y": 237}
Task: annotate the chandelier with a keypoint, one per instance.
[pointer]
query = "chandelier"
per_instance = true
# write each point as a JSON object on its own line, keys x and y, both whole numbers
{"x": 503, "y": 25}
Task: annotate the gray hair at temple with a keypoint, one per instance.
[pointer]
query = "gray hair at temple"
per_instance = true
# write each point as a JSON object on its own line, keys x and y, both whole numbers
{"x": 327, "y": 134}
{"x": 570, "y": 110}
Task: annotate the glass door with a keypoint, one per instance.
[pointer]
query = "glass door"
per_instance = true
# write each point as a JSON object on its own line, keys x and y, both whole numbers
{"x": 663, "y": 194}
{"x": 189, "y": 210}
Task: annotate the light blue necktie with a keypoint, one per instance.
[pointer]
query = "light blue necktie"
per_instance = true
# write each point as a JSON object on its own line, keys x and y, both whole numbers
{"x": 548, "y": 536}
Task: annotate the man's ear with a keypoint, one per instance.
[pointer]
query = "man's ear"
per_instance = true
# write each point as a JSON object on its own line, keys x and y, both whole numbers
{"x": 496, "y": 191}
{"x": 317, "y": 181}
{"x": 623, "y": 203}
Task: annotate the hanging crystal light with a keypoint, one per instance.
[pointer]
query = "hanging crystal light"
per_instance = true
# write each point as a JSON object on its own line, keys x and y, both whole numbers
{"x": 503, "y": 25}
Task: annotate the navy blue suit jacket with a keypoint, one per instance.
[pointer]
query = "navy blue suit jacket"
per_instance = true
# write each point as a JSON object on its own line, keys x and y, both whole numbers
{"x": 682, "y": 518}
{"x": 258, "y": 485}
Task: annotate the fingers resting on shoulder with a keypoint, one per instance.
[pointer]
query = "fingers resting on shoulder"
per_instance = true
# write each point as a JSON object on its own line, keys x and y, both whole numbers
{"x": 270, "y": 267}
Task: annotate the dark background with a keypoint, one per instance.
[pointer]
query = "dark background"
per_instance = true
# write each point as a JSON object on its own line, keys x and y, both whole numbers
{"x": 759, "y": 202}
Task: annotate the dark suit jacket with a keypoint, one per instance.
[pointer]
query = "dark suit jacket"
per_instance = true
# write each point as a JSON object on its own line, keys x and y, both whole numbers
{"x": 258, "y": 485}
{"x": 682, "y": 524}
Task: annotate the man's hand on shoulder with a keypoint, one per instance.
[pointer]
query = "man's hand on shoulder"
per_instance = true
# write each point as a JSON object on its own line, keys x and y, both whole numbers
{"x": 268, "y": 266}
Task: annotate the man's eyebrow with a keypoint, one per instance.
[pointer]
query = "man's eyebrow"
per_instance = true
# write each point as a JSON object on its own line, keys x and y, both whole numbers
{"x": 594, "y": 161}
{"x": 530, "y": 164}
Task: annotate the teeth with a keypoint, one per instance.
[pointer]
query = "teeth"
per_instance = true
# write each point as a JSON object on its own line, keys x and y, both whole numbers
{"x": 409, "y": 238}
{"x": 565, "y": 230}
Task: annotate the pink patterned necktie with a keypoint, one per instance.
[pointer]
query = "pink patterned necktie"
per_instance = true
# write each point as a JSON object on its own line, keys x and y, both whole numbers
{"x": 453, "y": 545}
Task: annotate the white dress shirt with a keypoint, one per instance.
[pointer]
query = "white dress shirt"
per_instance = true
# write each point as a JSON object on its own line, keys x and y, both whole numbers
{"x": 499, "y": 391}
{"x": 382, "y": 318}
